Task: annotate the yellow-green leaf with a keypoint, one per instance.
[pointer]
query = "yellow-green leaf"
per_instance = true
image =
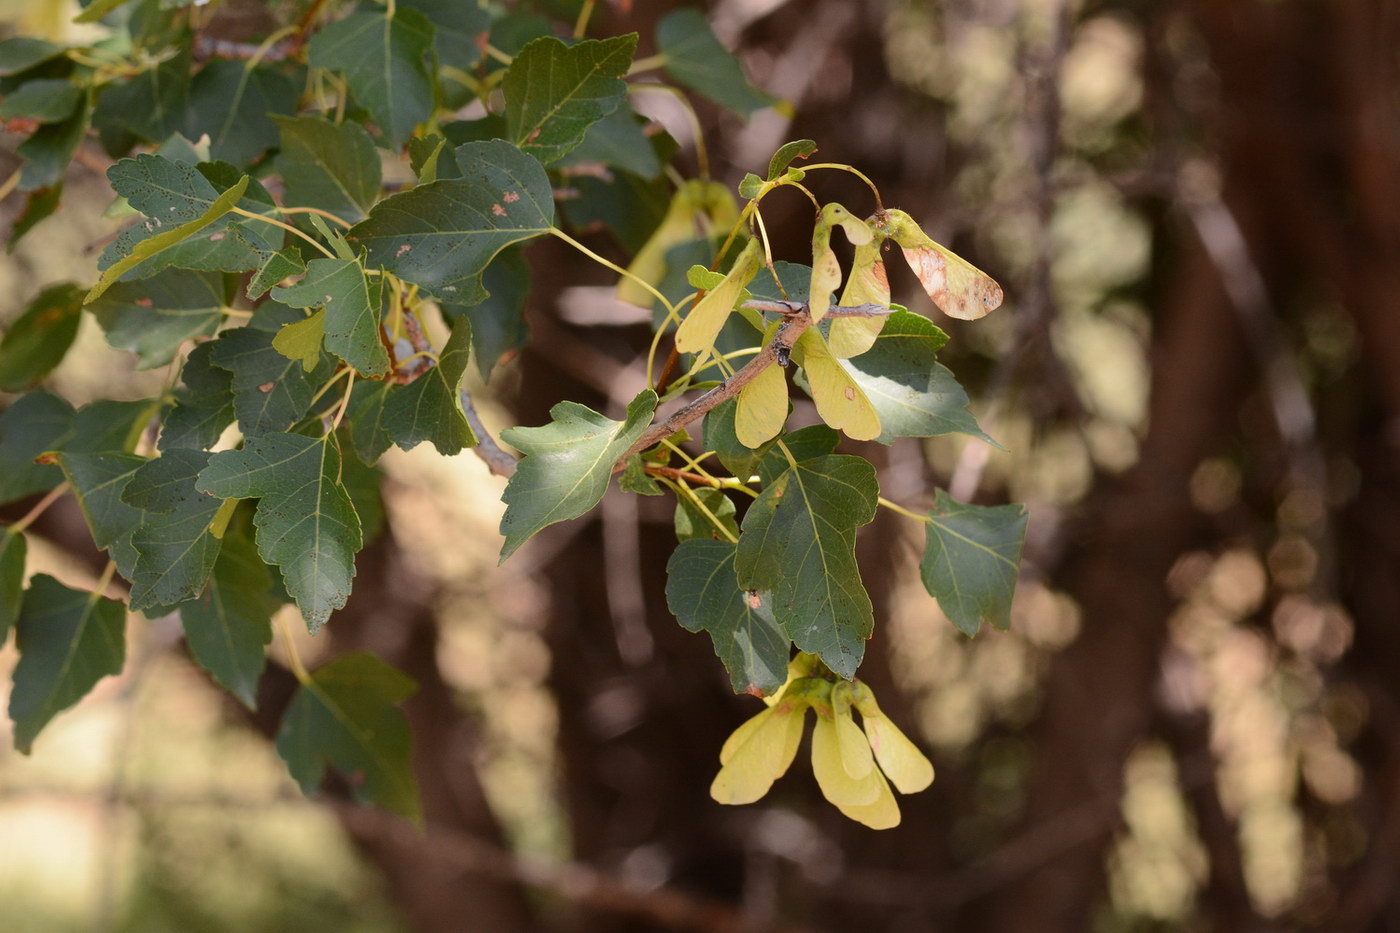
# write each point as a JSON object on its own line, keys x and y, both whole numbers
{"x": 840, "y": 401}
{"x": 867, "y": 284}
{"x": 762, "y": 408}
{"x": 702, "y": 325}
{"x": 151, "y": 245}
{"x": 302, "y": 340}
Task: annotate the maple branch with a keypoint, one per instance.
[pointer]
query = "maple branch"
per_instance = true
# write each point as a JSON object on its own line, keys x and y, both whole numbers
{"x": 798, "y": 320}
{"x": 498, "y": 460}
{"x": 502, "y": 463}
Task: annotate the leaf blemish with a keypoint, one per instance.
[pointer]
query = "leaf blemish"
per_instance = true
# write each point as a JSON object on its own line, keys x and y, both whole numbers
{"x": 216, "y": 237}
{"x": 402, "y": 249}
{"x": 850, "y": 393}
{"x": 510, "y": 197}
{"x": 498, "y": 210}
{"x": 754, "y": 600}
{"x": 267, "y": 387}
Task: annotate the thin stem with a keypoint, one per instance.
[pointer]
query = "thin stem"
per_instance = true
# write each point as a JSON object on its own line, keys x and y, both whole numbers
{"x": 879, "y": 205}
{"x": 650, "y": 63}
{"x": 284, "y": 226}
{"x": 267, "y": 45}
{"x": 53, "y": 496}
{"x": 105, "y": 580}
{"x": 344, "y": 404}
{"x": 896, "y": 507}
{"x": 327, "y": 387}
{"x": 10, "y": 183}
{"x": 670, "y": 308}
{"x": 317, "y": 211}
{"x": 692, "y": 463}
{"x": 293, "y": 657}
{"x": 498, "y": 55}
{"x": 683, "y": 490}
{"x": 584, "y": 14}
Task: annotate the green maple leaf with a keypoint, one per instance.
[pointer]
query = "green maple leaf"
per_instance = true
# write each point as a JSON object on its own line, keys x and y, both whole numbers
{"x": 914, "y": 394}
{"x": 384, "y": 57}
{"x": 39, "y": 338}
{"x": 175, "y": 544}
{"x": 33, "y": 423}
{"x": 798, "y": 543}
{"x": 346, "y": 716}
{"x": 270, "y": 392}
{"x": 695, "y": 58}
{"x": 306, "y": 524}
{"x": 12, "y": 554}
{"x": 704, "y": 594}
{"x": 971, "y": 560}
{"x": 567, "y": 465}
{"x": 203, "y": 405}
{"x": 555, "y": 92}
{"x": 152, "y": 317}
{"x": 332, "y": 167}
{"x": 443, "y": 235}
{"x": 229, "y": 624}
{"x": 68, "y": 640}
{"x": 98, "y": 480}
{"x": 352, "y": 308}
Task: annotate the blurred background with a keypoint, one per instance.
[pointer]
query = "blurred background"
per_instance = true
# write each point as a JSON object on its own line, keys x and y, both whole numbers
{"x": 1194, "y": 721}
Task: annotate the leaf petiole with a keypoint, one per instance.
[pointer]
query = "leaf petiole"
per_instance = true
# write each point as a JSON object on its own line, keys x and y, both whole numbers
{"x": 285, "y": 226}
{"x": 896, "y": 507}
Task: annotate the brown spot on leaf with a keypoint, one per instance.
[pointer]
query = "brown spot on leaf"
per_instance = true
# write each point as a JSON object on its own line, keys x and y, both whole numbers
{"x": 47, "y": 458}
{"x": 145, "y": 302}
{"x": 753, "y": 599}
{"x": 267, "y": 387}
{"x": 401, "y": 250}
{"x": 498, "y": 210}
{"x": 216, "y": 237}
{"x": 510, "y": 197}
{"x": 850, "y": 393}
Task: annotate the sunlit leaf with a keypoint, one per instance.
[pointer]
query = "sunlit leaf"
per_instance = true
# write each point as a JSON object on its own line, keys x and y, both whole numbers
{"x": 912, "y": 393}
{"x": 567, "y": 465}
{"x": 841, "y": 402}
{"x": 972, "y": 559}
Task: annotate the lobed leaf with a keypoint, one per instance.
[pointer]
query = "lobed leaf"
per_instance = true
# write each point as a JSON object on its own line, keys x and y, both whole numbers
{"x": 972, "y": 560}
{"x": 443, "y": 235}
{"x": 68, "y": 640}
{"x": 352, "y": 308}
{"x": 328, "y": 166}
{"x": 176, "y": 547}
{"x": 306, "y": 524}
{"x": 383, "y": 56}
{"x": 555, "y": 92}
{"x": 704, "y": 594}
{"x": 798, "y": 543}
{"x": 567, "y": 465}
{"x": 346, "y": 717}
